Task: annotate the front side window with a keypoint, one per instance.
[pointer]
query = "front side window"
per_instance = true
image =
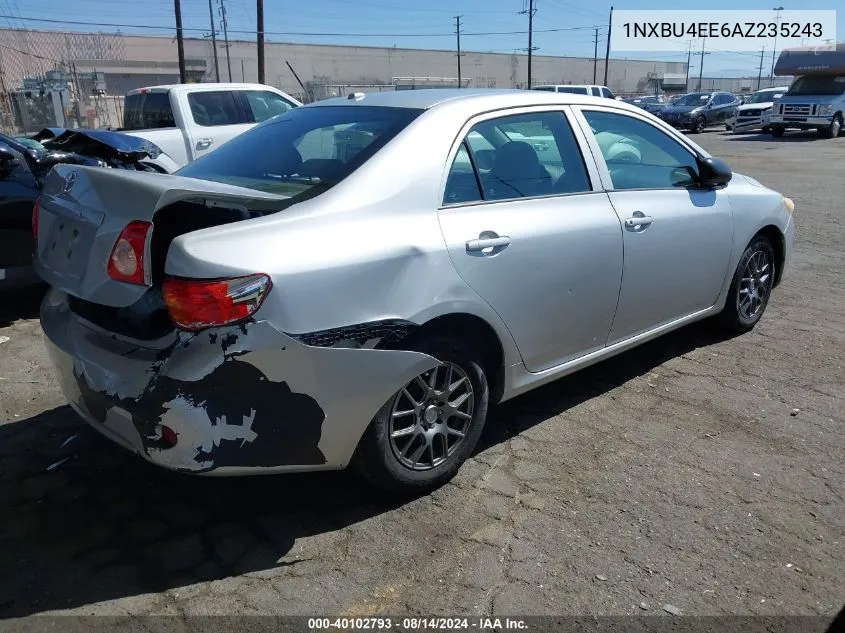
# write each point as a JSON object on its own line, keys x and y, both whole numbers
{"x": 518, "y": 156}
{"x": 639, "y": 155}
{"x": 214, "y": 108}
{"x": 304, "y": 151}
{"x": 264, "y": 104}
{"x": 605, "y": 92}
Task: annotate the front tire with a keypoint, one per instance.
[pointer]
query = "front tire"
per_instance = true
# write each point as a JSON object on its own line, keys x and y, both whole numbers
{"x": 835, "y": 127}
{"x": 698, "y": 125}
{"x": 420, "y": 437}
{"x": 777, "y": 132}
{"x": 751, "y": 287}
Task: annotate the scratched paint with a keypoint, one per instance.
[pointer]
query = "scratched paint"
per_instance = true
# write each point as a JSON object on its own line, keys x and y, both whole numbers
{"x": 233, "y": 416}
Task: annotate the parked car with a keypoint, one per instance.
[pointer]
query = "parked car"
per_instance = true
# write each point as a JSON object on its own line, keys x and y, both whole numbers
{"x": 649, "y": 103}
{"x": 698, "y": 110}
{"x": 189, "y": 120}
{"x": 349, "y": 283}
{"x": 25, "y": 162}
{"x": 575, "y": 89}
{"x": 755, "y": 111}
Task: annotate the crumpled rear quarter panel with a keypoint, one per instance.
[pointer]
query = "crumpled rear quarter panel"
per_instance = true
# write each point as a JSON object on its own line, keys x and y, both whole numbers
{"x": 242, "y": 400}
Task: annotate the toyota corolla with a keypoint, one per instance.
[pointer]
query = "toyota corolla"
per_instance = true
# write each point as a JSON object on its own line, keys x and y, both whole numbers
{"x": 357, "y": 281}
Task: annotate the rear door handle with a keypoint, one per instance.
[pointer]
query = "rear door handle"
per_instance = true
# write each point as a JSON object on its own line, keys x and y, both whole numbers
{"x": 483, "y": 243}
{"x": 204, "y": 143}
{"x": 638, "y": 222}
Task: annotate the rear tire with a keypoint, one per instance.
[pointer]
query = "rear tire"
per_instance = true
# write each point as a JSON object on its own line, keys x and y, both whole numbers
{"x": 751, "y": 287}
{"x": 386, "y": 456}
{"x": 777, "y": 132}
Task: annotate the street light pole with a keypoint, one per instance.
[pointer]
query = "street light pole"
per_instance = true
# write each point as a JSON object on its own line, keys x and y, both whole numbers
{"x": 774, "y": 48}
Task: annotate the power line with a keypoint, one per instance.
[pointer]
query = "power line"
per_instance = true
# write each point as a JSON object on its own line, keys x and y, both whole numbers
{"x": 338, "y": 34}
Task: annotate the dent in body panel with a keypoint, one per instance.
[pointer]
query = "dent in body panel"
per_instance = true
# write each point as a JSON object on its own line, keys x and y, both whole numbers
{"x": 231, "y": 416}
{"x": 266, "y": 402}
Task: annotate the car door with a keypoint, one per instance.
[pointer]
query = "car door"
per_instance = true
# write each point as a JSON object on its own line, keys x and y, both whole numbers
{"x": 532, "y": 236}
{"x": 218, "y": 116}
{"x": 722, "y": 107}
{"x": 677, "y": 237}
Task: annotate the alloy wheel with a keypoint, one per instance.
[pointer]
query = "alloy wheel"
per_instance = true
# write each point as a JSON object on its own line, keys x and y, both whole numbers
{"x": 755, "y": 285}
{"x": 430, "y": 417}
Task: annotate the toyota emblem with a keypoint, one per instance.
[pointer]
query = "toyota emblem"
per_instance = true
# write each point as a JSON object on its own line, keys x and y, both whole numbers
{"x": 67, "y": 185}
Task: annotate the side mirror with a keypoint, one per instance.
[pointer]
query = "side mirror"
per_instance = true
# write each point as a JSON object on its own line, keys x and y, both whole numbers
{"x": 713, "y": 172}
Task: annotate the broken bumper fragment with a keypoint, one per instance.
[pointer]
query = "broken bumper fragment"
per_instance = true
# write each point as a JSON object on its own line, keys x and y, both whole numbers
{"x": 238, "y": 400}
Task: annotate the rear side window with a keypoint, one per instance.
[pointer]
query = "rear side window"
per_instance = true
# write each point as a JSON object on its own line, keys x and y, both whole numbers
{"x": 265, "y": 105}
{"x": 531, "y": 155}
{"x": 150, "y": 110}
{"x": 596, "y": 91}
{"x": 214, "y": 108}
{"x": 304, "y": 151}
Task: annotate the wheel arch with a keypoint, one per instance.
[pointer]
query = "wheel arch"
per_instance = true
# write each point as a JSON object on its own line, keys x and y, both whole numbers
{"x": 778, "y": 241}
{"x": 469, "y": 328}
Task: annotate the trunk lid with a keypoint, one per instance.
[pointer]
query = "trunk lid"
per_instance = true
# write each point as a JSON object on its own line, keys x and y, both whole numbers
{"x": 84, "y": 209}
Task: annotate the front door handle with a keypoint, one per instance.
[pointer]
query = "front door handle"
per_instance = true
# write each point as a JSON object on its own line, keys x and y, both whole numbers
{"x": 639, "y": 221}
{"x": 488, "y": 240}
{"x": 204, "y": 143}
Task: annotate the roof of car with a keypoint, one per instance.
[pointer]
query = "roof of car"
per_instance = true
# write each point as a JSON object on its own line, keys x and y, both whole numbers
{"x": 428, "y": 98}
{"x": 202, "y": 86}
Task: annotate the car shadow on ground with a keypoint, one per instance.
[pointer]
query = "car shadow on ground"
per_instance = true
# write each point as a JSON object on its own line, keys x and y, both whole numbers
{"x": 84, "y": 521}
{"x": 20, "y": 303}
{"x": 789, "y": 137}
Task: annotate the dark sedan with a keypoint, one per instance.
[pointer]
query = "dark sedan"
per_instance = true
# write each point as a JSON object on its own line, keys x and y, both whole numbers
{"x": 698, "y": 110}
{"x": 648, "y": 103}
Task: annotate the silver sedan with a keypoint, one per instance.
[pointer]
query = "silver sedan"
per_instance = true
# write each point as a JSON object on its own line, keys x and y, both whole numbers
{"x": 357, "y": 281}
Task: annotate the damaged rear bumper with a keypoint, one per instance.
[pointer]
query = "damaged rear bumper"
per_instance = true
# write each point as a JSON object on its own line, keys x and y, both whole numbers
{"x": 240, "y": 400}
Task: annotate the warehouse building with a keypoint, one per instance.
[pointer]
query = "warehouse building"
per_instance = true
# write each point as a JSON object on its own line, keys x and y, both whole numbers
{"x": 131, "y": 61}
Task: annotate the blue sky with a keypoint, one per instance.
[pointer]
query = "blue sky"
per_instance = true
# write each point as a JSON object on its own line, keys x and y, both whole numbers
{"x": 488, "y": 25}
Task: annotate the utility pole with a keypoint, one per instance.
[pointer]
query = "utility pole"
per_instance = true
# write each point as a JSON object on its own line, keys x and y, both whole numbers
{"x": 607, "y": 51}
{"x": 760, "y": 72}
{"x": 259, "y": 12}
{"x": 701, "y": 64}
{"x": 689, "y": 59}
{"x": 595, "y": 53}
{"x": 226, "y": 38}
{"x": 530, "y": 11}
{"x": 214, "y": 42}
{"x": 180, "y": 44}
{"x": 458, "y": 35}
{"x": 774, "y": 47}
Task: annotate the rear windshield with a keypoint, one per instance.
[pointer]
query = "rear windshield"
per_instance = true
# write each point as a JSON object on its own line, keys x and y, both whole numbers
{"x": 146, "y": 111}
{"x": 304, "y": 151}
{"x": 817, "y": 85}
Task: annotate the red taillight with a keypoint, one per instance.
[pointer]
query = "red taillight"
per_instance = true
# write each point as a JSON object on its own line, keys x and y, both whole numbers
{"x": 196, "y": 304}
{"x": 126, "y": 262}
{"x": 35, "y": 208}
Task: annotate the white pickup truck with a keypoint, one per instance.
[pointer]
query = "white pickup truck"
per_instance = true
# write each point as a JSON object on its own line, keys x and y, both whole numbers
{"x": 186, "y": 121}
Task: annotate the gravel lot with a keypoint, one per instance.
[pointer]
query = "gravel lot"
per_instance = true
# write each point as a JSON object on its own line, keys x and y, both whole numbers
{"x": 694, "y": 471}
